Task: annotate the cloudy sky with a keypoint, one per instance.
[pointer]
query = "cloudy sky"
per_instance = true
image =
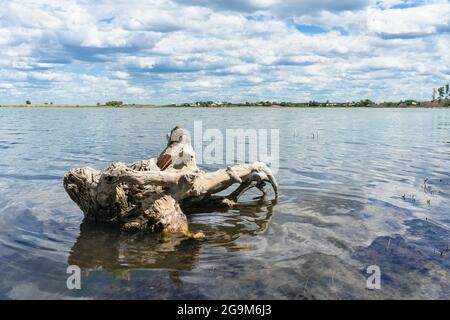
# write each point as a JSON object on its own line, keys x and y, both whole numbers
{"x": 169, "y": 51}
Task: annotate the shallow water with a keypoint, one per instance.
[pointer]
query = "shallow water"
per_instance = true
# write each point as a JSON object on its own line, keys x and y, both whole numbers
{"x": 351, "y": 196}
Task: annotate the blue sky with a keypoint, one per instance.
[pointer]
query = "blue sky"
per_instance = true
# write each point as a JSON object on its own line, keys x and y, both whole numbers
{"x": 170, "y": 51}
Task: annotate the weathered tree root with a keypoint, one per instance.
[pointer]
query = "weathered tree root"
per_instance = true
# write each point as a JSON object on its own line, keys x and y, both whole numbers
{"x": 141, "y": 195}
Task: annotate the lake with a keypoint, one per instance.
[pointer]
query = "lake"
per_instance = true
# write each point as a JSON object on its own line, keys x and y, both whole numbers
{"x": 358, "y": 188}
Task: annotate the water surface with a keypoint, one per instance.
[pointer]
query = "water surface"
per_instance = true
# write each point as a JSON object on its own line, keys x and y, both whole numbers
{"x": 352, "y": 194}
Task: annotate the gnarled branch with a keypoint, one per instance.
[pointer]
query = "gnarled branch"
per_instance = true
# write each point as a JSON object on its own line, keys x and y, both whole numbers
{"x": 150, "y": 194}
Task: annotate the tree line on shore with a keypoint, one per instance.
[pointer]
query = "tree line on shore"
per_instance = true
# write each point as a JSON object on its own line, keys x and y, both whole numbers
{"x": 441, "y": 92}
{"x": 440, "y": 98}
{"x": 313, "y": 103}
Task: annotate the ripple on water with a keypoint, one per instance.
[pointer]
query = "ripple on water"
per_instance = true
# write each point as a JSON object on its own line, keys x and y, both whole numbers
{"x": 341, "y": 202}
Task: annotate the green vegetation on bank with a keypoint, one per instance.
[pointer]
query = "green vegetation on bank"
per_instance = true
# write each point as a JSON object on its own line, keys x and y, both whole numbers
{"x": 440, "y": 99}
{"x": 362, "y": 103}
{"x": 366, "y": 103}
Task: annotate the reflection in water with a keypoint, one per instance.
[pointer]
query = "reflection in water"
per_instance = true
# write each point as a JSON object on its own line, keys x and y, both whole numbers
{"x": 105, "y": 247}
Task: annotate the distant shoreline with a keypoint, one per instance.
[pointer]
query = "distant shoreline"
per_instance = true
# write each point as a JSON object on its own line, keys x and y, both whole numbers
{"x": 397, "y": 105}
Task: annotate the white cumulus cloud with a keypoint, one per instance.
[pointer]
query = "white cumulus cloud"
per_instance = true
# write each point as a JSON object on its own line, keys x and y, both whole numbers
{"x": 165, "y": 51}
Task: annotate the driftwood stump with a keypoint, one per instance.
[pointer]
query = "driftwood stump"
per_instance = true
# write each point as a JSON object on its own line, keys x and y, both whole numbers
{"x": 152, "y": 194}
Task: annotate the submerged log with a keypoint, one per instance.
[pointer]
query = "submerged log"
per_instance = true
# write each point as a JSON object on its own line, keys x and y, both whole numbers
{"x": 152, "y": 194}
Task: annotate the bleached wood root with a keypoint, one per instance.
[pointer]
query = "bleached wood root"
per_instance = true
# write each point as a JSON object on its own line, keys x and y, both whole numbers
{"x": 142, "y": 196}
